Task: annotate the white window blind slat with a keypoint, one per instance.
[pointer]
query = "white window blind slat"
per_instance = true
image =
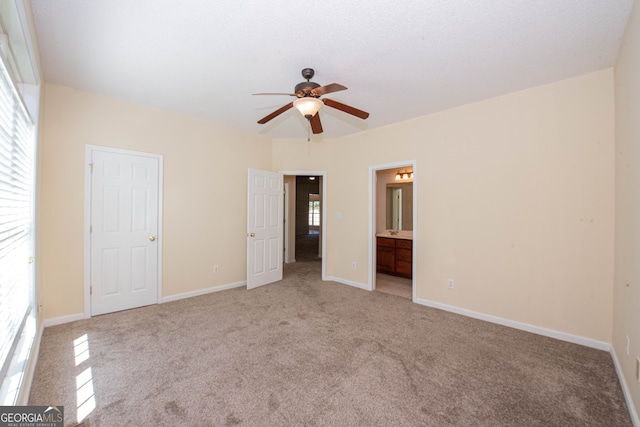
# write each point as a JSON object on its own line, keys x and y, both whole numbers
{"x": 16, "y": 217}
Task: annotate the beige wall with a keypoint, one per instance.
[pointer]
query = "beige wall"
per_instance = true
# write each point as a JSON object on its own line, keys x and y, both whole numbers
{"x": 205, "y": 181}
{"x": 515, "y": 202}
{"x": 626, "y": 313}
{"x": 515, "y": 199}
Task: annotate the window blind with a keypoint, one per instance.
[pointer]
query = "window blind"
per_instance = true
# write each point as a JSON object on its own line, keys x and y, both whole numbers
{"x": 16, "y": 216}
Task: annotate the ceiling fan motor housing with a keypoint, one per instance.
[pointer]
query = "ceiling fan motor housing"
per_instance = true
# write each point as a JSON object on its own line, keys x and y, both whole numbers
{"x": 304, "y": 89}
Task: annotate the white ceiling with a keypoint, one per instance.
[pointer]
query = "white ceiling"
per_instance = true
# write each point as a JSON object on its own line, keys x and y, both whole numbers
{"x": 399, "y": 59}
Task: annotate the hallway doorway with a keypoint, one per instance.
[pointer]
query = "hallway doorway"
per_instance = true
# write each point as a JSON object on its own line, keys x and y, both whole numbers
{"x": 304, "y": 219}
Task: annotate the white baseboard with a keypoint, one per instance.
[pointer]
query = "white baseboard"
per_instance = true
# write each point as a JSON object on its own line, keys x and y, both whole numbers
{"x": 563, "y": 336}
{"x": 199, "y": 292}
{"x": 348, "y": 282}
{"x": 62, "y": 319}
{"x": 625, "y": 389}
{"x": 79, "y": 316}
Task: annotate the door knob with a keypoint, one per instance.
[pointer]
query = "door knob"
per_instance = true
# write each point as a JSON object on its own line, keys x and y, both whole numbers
{"x": 152, "y": 238}
{"x": 252, "y": 234}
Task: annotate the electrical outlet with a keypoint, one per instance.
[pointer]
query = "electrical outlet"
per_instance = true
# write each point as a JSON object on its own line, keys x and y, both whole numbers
{"x": 450, "y": 284}
{"x": 215, "y": 269}
{"x": 353, "y": 265}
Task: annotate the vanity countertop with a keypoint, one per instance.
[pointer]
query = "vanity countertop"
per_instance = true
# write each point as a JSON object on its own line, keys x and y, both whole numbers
{"x": 407, "y": 235}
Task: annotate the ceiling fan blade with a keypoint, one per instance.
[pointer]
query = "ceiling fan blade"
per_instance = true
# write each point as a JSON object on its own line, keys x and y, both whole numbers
{"x": 275, "y": 113}
{"x": 323, "y": 90}
{"x": 316, "y": 125}
{"x": 274, "y": 93}
{"x": 346, "y": 108}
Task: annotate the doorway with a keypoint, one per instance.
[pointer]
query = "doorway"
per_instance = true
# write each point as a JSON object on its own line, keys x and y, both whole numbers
{"x": 393, "y": 237}
{"x": 305, "y": 239}
{"x": 307, "y": 219}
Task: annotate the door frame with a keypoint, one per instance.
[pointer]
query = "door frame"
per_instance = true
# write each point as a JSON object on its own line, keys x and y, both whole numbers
{"x": 89, "y": 150}
{"x": 323, "y": 212}
{"x": 372, "y": 221}
{"x": 285, "y": 216}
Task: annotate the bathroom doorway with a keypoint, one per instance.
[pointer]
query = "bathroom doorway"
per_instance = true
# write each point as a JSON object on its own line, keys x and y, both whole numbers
{"x": 392, "y": 252}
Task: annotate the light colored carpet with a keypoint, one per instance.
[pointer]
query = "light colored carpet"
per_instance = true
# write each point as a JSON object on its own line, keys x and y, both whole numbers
{"x": 307, "y": 352}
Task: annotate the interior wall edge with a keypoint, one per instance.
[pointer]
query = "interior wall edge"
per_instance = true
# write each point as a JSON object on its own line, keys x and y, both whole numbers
{"x": 625, "y": 388}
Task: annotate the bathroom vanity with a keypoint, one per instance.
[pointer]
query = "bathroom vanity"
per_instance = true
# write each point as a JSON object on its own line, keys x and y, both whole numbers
{"x": 394, "y": 255}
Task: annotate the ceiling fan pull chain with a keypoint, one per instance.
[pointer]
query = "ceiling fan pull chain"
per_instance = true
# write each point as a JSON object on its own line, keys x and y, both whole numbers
{"x": 309, "y": 131}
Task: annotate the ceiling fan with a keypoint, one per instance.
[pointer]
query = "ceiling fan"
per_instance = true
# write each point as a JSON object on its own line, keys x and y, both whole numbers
{"x": 309, "y": 102}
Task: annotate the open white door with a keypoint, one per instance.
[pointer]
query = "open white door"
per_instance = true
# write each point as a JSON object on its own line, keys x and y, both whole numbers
{"x": 264, "y": 228}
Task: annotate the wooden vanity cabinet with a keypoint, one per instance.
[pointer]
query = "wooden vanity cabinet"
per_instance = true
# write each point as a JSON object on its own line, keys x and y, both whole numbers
{"x": 386, "y": 255}
{"x": 394, "y": 256}
{"x": 404, "y": 254}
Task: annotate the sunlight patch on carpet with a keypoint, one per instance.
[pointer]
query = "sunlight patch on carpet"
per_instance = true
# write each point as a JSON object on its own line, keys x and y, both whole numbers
{"x": 84, "y": 381}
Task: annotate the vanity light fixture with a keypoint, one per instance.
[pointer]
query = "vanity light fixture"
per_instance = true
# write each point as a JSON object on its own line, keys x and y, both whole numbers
{"x": 404, "y": 175}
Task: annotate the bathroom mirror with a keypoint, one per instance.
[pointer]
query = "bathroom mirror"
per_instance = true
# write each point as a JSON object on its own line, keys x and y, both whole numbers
{"x": 399, "y": 212}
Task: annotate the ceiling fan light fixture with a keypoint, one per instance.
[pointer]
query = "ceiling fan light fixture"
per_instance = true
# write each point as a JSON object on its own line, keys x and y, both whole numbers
{"x": 308, "y": 106}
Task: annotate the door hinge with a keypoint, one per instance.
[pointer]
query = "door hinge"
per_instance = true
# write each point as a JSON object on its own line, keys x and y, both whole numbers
{"x": 90, "y": 229}
{"x": 91, "y": 166}
{"x": 90, "y": 290}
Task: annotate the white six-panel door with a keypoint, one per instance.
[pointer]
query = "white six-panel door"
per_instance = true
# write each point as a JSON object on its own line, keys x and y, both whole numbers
{"x": 265, "y": 213}
{"x": 124, "y": 231}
